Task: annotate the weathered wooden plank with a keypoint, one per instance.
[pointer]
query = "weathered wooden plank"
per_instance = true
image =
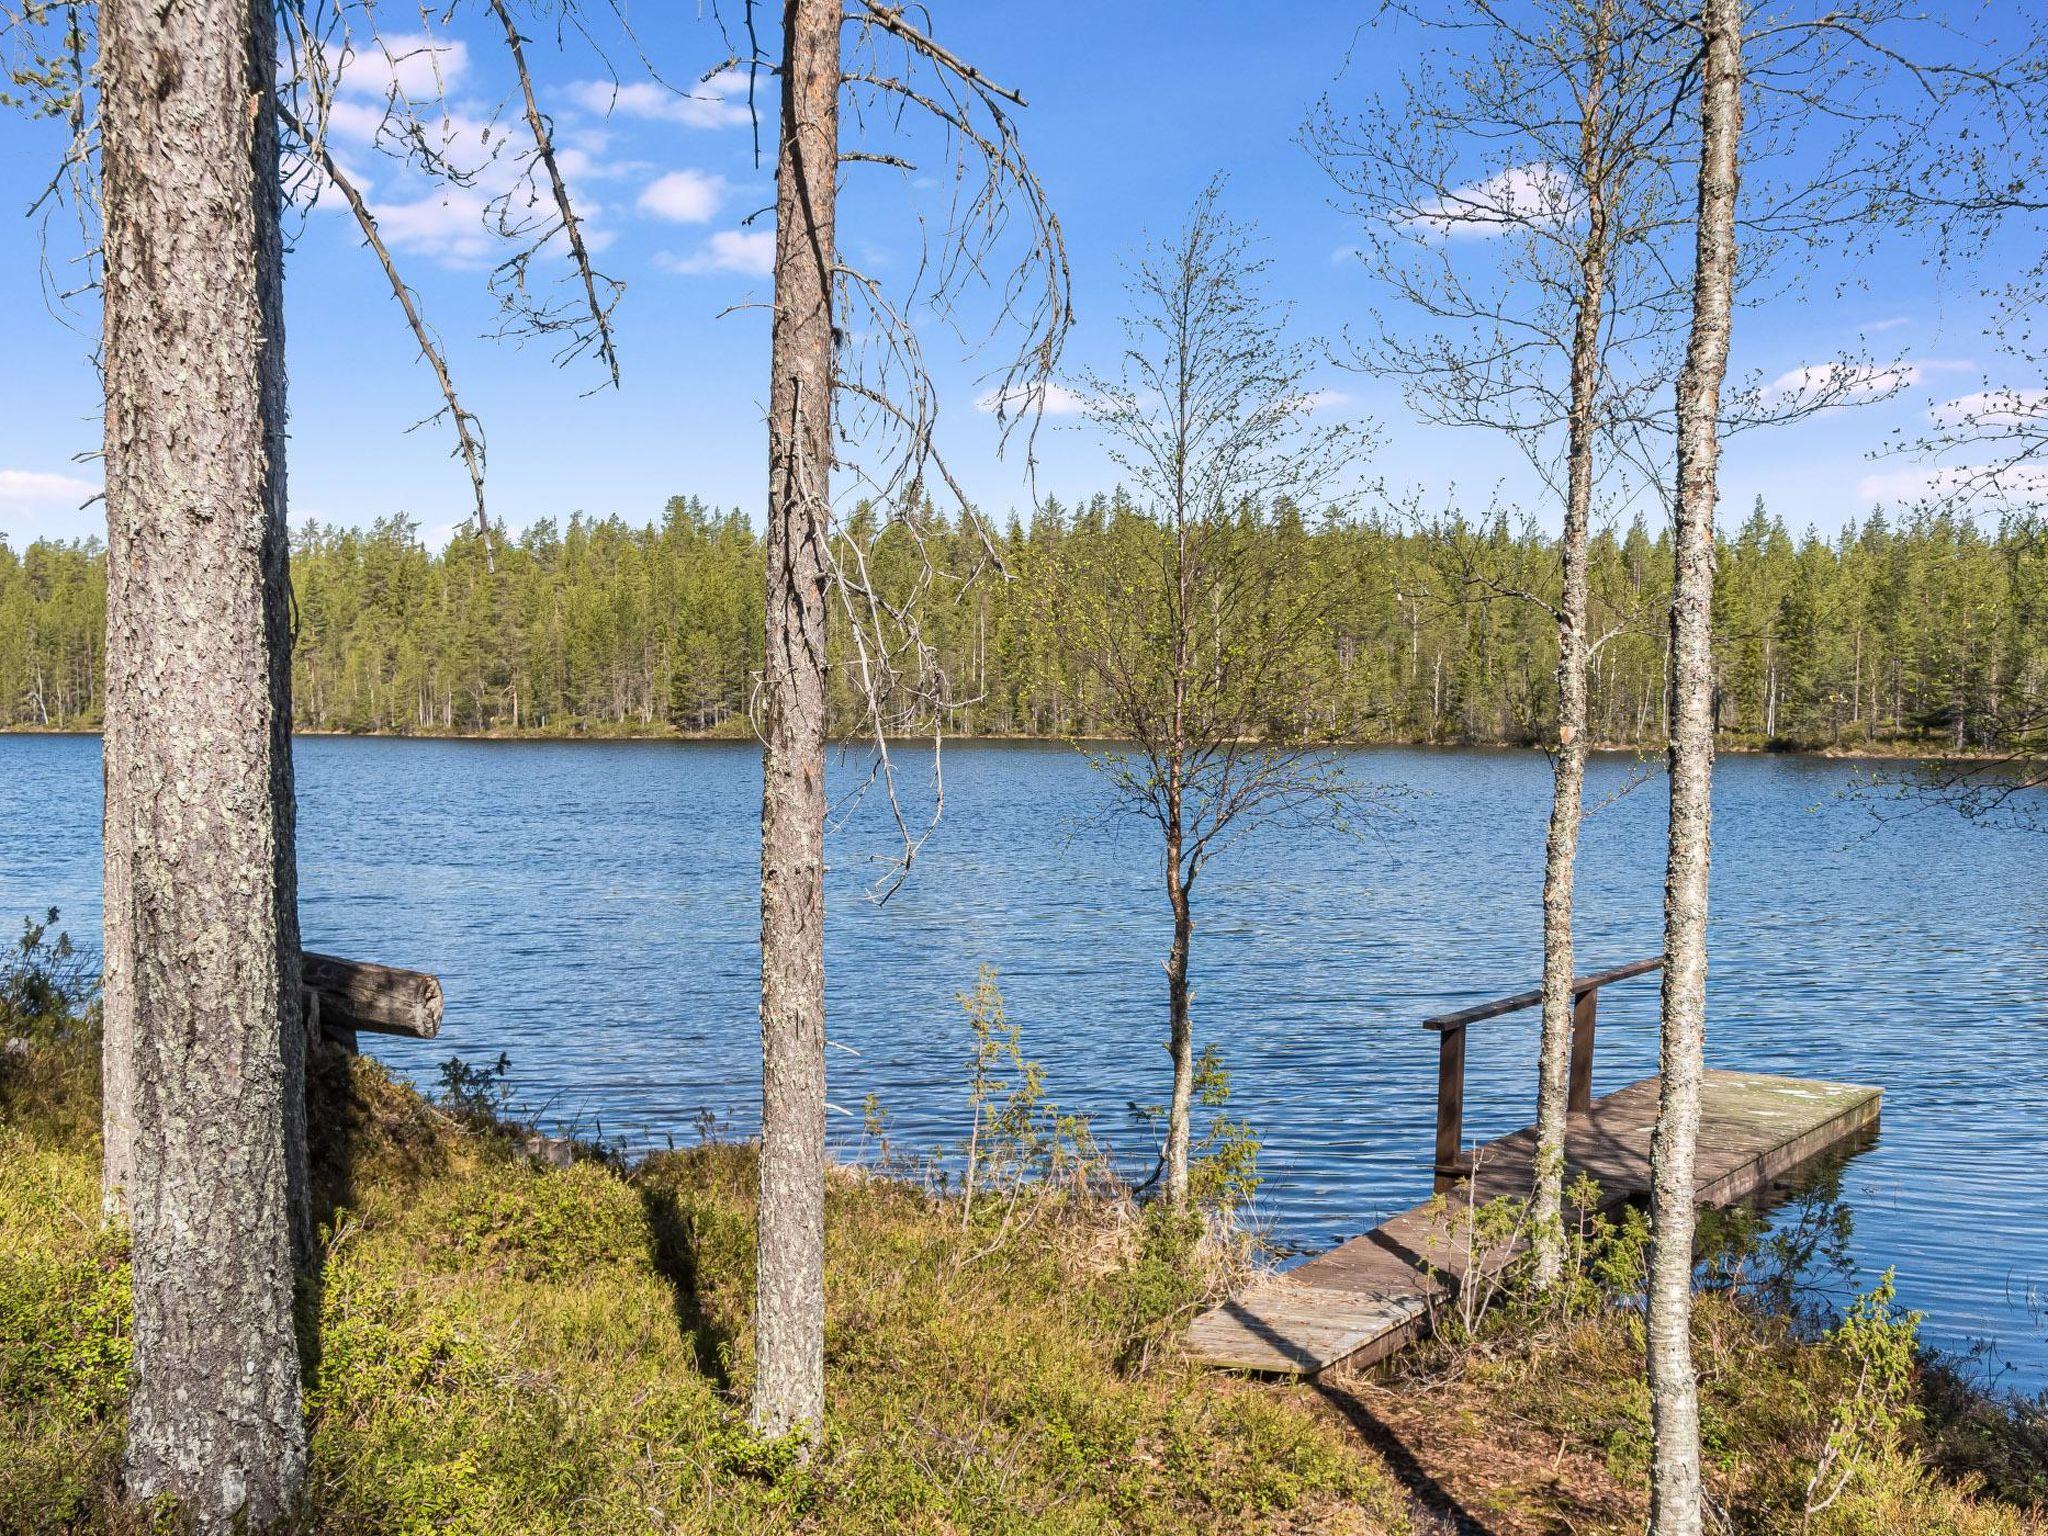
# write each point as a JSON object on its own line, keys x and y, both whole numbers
{"x": 1286, "y": 1326}
{"x": 357, "y": 995}
{"x": 1450, "y": 1106}
{"x": 1369, "y": 1297}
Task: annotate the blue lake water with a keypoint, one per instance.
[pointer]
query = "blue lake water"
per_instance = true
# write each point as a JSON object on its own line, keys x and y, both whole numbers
{"x": 591, "y": 909}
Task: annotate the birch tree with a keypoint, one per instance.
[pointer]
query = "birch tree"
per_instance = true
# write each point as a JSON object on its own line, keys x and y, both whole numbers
{"x": 1524, "y": 200}
{"x": 1540, "y": 268}
{"x": 869, "y": 407}
{"x": 199, "y": 780}
{"x": 1201, "y": 631}
{"x": 1676, "y": 1504}
{"x": 1819, "y": 81}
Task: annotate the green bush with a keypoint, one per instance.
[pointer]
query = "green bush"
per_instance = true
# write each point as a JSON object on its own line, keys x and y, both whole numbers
{"x": 63, "y": 1338}
{"x": 535, "y": 1223}
{"x": 45, "y": 984}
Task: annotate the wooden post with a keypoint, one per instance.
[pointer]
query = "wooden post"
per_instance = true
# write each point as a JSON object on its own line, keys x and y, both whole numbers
{"x": 1579, "y": 1098}
{"x": 316, "y": 1027}
{"x": 1450, "y": 1107}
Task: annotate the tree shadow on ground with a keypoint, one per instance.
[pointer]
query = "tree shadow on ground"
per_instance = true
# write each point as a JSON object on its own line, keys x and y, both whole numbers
{"x": 351, "y": 1114}
{"x": 672, "y": 1236}
{"x": 1438, "y": 1512}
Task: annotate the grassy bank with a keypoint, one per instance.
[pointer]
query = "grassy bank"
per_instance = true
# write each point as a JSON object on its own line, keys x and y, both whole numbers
{"x": 495, "y": 1345}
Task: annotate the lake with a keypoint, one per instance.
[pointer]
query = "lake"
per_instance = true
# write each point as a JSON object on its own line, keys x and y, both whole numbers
{"x": 591, "y": 908}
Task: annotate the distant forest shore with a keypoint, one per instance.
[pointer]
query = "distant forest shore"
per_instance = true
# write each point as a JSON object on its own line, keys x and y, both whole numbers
{"x": 1896, "y": 638}
{"x": 1885, "y": 751}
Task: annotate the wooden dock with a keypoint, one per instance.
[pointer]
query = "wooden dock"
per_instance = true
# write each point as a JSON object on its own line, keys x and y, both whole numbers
{"x": 1376, "y": 1294}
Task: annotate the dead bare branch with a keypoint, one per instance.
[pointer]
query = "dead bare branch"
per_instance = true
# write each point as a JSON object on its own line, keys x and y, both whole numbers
{"x": 469, "y": 443}
{"x": 600, "y": 311}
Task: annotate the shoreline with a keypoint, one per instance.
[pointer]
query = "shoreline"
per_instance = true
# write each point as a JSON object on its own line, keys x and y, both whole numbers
{"x": 521, "y": 1336}
{"x": 1886, "y": 752}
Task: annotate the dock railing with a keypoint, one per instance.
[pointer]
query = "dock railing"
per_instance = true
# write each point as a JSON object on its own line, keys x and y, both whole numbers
{"x": 1451, "y": 1162}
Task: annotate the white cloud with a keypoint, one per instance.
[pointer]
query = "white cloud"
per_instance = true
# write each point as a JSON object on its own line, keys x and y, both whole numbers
{"x": 448, "y": 225}
{"x": 1520, "y": 195}
{"x": 417, "y": 65}
{"x": 1898, "y": 487}
{"x": 1826, "y": 385}
{"x": 720, "y": 102}
{"x": 1994, "y": 408}
{"x": 1889, "y": 323}
{"x": 358, "y": 120}
{"x": 1823, "y": 384}
{"x": 683, "y": 197}
{"x": 26, "y": 489}
{"x": 458, "y": 225}
{"x": 1052, "y": 400}
{"x": 488, "y": 153}
{"x": 747, "y": 251}
{"x": 585, "y": 155}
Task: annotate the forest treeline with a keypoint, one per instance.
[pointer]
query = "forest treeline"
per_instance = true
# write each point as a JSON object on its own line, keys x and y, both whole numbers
{"x": 1922, "y": 631}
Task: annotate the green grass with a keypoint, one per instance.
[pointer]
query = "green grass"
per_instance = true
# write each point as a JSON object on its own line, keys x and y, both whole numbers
{"x": 497, "y": 1347}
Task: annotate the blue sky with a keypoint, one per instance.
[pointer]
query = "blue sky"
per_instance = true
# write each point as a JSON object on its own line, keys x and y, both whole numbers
{"x": 1133, "y": 107}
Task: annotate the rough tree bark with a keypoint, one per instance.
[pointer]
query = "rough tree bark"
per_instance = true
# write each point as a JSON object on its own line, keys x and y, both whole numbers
{"x": 1675, "y": 1493}
{"x": 1180, "y": 1023}
{"x": 1568, "y": 752}
{"x": 198, "y": 914}
{"x": 789, "y": 1303}
{"x": 117, "y": 991}
{"x": 294, "y": 1039}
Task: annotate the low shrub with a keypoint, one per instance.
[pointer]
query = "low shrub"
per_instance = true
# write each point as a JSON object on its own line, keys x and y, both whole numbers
{"x": 495, "y": 1346}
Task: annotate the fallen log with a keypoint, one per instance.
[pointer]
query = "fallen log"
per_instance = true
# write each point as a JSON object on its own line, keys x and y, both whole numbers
{"x": 357, "y": 995}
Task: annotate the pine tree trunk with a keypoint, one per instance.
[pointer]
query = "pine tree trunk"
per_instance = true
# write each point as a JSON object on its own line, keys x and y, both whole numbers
{"x": 1568, "y": 752}
{"x": 1675, "y": 1493}
{"x": 789, "y": 1382}
{"x": 117, "y": 990}
{"x": 284, "y": 795}
{"x": 198, "y": 805}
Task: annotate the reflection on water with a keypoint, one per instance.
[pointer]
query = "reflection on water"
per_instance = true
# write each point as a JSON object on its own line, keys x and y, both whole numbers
{"x": 591, "y": 909}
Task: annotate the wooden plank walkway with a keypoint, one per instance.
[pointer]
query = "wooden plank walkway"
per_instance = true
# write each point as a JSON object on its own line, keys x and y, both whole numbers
{"x": 1364, "y": 1300}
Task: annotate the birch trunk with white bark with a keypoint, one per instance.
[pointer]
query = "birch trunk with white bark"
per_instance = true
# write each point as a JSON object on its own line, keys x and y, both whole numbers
{"x": 1180, "y": 1037}
{"x": 1676, "y": 1501}
{"x": 1568, "y": 751}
